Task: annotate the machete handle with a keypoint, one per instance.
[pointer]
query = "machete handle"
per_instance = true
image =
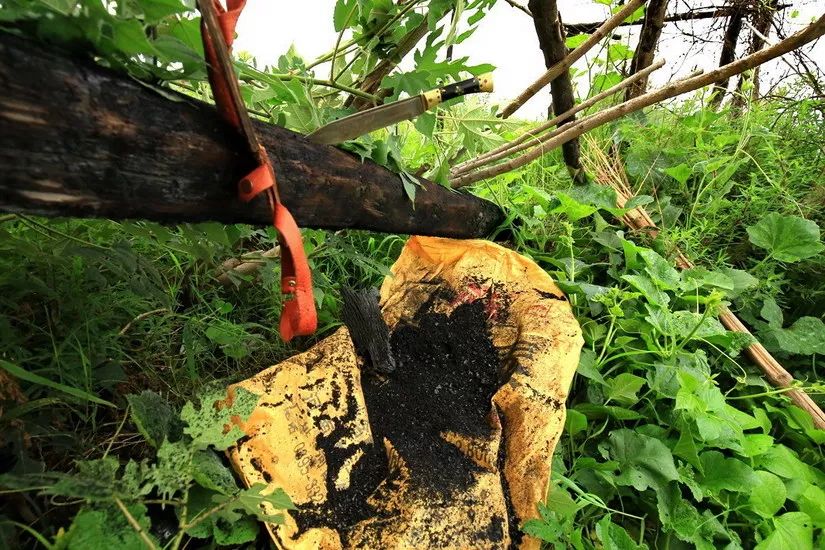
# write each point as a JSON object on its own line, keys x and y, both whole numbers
{"x": 480, "y": 83}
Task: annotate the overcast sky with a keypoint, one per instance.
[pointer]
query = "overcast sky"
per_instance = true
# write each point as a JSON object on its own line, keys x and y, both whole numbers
{"x": 505, "y": 38}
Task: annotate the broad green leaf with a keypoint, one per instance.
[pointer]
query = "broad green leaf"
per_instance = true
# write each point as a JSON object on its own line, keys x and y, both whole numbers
{"x": 212, "y": 424}
{"x": 575, "y": 422}
{"x": 576, "y": 40}
{"x": 595, "y": 412}
{"x": 805, "y": 337}
{"x": 742, "y": 281}
{"x": 783, "y": 462}
{"x": 623, "y": 388}
{"x": 614, "y": 537}
{"x": 686, "y": 447}
{"x": 793, "y": 530}
{"x": 786, "y": 238}
{"x": 644, "y": 462}
{"x": 772, "y": 313}
{"x": 154, "y": 418}
{"x": 211, "y": 473}
{"x": 722, "y": 473}
{"x": 767, "y": 494}
{"x": 680, "y": 172}
{"x": 23, "y": 374}
{"x": 812, "y": 502}
{"x": 107, "y": 527}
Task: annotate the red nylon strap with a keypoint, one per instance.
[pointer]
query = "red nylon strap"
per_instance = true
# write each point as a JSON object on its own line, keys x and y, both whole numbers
{"x": 298, "y": 317}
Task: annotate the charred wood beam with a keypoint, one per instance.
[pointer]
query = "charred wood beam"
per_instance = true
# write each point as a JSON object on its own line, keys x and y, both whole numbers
{"x": 80, "y": 140}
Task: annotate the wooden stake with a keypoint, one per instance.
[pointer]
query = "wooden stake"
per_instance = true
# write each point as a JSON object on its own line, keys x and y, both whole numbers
{"x": 574, "y": 56}
{"x": 806, "y": 35}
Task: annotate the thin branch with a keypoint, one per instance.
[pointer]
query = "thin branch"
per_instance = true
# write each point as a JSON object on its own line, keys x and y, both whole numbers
{"x": 532, "y": 137}
{"x": 519, "y": 7}
{"x": 254, "y": 73}
{"x": 808, "y": 34}
{"x": 574, "y": 56}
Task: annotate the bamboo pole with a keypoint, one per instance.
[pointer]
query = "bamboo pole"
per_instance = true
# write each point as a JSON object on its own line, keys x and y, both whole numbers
{"x": 638, "y": 218}
{"x": 574, "y": 56}
{"x": 808, "y": 34}
{"x": 532, "y": 137}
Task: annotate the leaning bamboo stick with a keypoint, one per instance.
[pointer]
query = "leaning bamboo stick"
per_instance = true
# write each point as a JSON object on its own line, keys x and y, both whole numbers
{"x": 572, "y": 57}
{"x": 638, "y": 218}
{"x": 808, "y": 34}
{"x": 532, "y": 136}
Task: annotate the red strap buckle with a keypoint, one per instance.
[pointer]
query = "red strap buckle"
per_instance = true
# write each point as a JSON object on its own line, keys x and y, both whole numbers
{"x": 298, "y": 316}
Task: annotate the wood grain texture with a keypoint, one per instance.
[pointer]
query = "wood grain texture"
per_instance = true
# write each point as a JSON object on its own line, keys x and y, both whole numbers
{"x": 79, "y": 140}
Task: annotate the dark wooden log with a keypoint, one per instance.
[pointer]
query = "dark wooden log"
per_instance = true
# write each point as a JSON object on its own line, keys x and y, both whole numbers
{"x": 646, "y": 49}
{"x": 550, "y": 33}
{"x": 727, "y": 55}
{"x": 79, "y": 140}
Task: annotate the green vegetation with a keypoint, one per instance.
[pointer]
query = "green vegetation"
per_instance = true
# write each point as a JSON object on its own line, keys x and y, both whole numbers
{"x": 110, "y": 331}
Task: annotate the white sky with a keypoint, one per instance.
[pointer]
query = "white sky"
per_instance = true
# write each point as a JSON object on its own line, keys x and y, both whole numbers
{"x": 505, "y": 38}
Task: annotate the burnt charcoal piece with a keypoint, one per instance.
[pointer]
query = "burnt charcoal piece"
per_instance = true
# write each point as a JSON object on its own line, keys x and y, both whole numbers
{"x": 367, "y": 328}
{"x": 446, "y": 372}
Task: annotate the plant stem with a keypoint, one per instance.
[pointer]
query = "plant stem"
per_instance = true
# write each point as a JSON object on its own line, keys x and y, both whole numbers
{"x": 270, "y": 78}
{"x": 135, "y": 525}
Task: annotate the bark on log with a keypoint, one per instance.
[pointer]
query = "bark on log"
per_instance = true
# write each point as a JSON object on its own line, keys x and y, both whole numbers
{"x": 80, "y": 140}
{"x": 550, "y": 33}
{"x": 727, "y": 55}
{"x": 646, "y": 49}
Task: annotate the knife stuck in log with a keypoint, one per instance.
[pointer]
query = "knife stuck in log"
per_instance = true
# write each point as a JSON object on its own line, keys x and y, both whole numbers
{"x": 358, "y": 124}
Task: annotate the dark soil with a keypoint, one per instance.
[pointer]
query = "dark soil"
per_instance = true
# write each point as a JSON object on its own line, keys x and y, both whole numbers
{"x": 446, "y": 373}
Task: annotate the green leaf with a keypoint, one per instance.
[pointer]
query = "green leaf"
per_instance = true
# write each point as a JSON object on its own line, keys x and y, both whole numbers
{"x": 212, "y": 424}
{"x": 772, "y": 313}
{"x": 575, "y": 423}
{"x": 805, "y": 337}
{"x": 783, "y": 462}
{"x": 576, "y": 40}
{"x": 23, "y": 374}
{"x": 767, "y": 496}
{"x": 812, "y": 502}
{"x": 623, "y": 388}
{"x": 644, "y": 462}
{"x": 343, "y": 12}
{"x": 680, "y": 173}
{"x": 211, "y": 473}
{"x": 792, "y": 530}
{"x": 614, "y": 537}
{"x": 786, "y": 238}
{"x": 722, "y": 473}
{"x": 154, "y": 418}
{"x": 107, "y": 527}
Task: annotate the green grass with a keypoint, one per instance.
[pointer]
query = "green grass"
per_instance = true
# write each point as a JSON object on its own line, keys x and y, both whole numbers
{"x": 95, "y": 308}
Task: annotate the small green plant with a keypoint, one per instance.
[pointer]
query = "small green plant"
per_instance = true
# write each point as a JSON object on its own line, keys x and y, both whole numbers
{"x": 187, "y": 486}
